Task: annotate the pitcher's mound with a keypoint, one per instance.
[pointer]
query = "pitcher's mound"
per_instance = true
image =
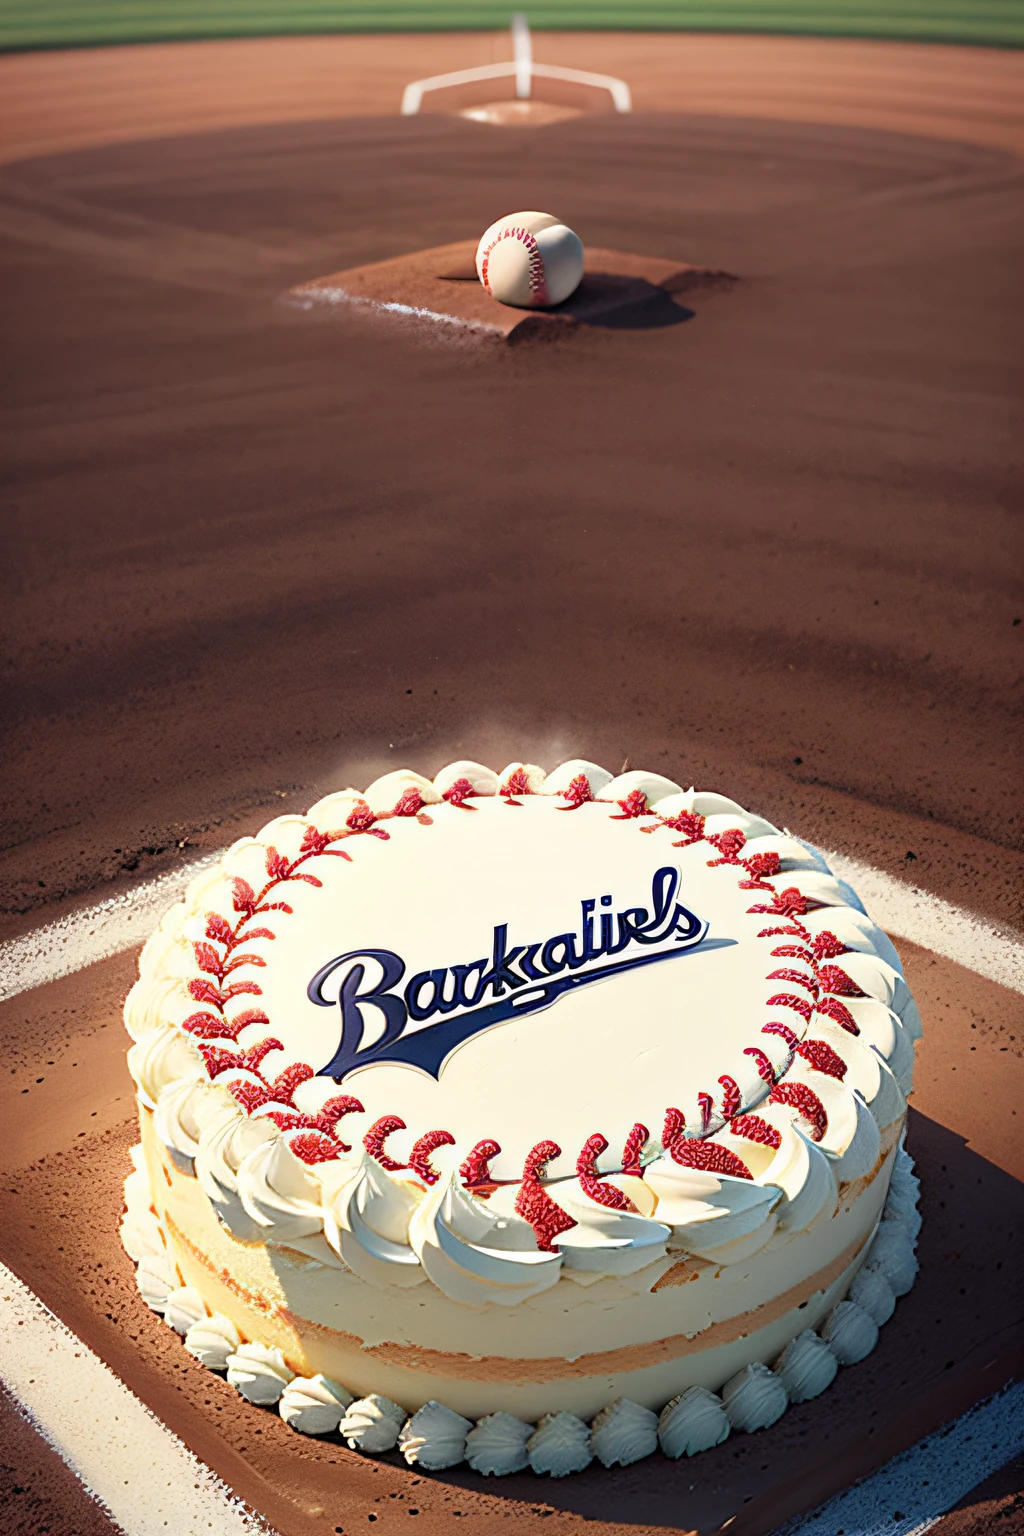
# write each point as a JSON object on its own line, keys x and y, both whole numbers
{"x": 440, "y": 286}
{"x": 520, "y": 114}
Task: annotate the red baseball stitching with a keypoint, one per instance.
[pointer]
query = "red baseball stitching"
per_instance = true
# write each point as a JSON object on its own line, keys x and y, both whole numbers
{"x": 216, "y": 956}
{"x": 537, "y": 275}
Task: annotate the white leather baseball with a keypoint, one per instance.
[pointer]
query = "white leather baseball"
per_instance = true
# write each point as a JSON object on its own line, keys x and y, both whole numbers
{"x": 530, "y": 260}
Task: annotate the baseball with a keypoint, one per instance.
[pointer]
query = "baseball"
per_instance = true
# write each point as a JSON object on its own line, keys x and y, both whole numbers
{"x": 531, "y": 260}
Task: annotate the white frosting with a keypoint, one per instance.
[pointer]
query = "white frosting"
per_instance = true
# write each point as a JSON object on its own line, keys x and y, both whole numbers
{"x": 604, "y": 1241}
{"x": 559, "y": 1445}
{"x": 893, "y": 1251}
{"x": 279, "y": 1193}
{"x": 368, "y": 1225}
{"x": 872, "y": 1291}
{"x": 467, "y": 871}
{"x": 222, "y": 1150}
{"x": 213, "y": 1340}
{"x": 475, "y": 1253}
{"x": 313, "y": 1405}
{"x": 692, "y": 1422}
{"x": 372, "y": 1424}
{"x": 183, "y": 1307}
{"x": 754, "y": 1398}
{"x": 850, "y": 1332}
{"x": 140, "y": 1230}
{"x": 184, "y": 1110}
{"x": 156, "y": 1277}
{"x": 161, "y": 1057}
{"x": 434, "y": 1438}
{"x": 623, "y": 1432}
{"x": 258, "y": 1373}
{"x": 712, "y": 1214}
{"x": 806, "y": 1366}
{"x": 496, "y": 1445}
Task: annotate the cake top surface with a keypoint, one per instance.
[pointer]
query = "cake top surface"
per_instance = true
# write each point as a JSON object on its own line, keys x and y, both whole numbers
{"x": 520, "y": 976}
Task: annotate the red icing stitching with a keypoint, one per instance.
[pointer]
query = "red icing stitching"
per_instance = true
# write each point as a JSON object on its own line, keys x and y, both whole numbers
{"x": 833, "y": 1009}
{"x": 827, "y": 946}
{"x": 632, "y": 1152}
{"x": 799, "y": 1005}
{"x": 763, "y": 1063}
{"x": 376, "y": 1136}
{"x": 535, "y": 1205}
{"x": 578, "y": 793}
{"x": 314, "y": 1147}
{"x": 675, "y": 1126}
{"x": 590, "y": 1178}
{"x": 635, "y": 804}
{"x": 362, "y": 819}
{"x": 516, "y": 784}
{"x": 461, "y": 791}
{"x": 756, "y": 1129}
{"x": 731, "y": 1097}
{"x": 808, "y": 1106}
{"x": 730, "y": 844}
{"x": 822, "y": 1058}
{"x": 689, "y": 823}
{"x": 419, "y": 1157}
{"x": 832, "y": 979}
{"x": 789, "y": 903}
{"x": 475, "y": 1172}
{"x": 710, "y": 1157}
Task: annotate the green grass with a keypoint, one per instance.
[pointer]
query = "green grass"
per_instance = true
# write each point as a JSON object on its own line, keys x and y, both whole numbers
{"x": 74, "y": 23}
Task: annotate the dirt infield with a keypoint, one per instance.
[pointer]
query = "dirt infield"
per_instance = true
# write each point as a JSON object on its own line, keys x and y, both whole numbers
{"x": 765, "y": 541}
{"x": 58, "y": 101}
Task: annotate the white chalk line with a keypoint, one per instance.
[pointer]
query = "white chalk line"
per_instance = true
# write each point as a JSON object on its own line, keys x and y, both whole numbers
{"x": 911, "y": 1493}
{"x": 323, "y": 298}
{"x": 141, "y": 1473}
{"x": 82, "y": 938}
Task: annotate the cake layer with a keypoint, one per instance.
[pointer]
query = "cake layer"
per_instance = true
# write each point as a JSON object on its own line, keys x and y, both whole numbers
{"x": 685, "y": 1322}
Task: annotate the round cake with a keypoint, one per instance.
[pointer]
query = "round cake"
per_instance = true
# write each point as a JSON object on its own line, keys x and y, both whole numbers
{"x": 433, "y": 1136}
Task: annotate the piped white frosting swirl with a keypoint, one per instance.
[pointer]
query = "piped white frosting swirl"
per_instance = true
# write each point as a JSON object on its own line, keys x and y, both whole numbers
{"x": 183, "y": 1307}
{"x": 313, "y": 1405}
{"x": 559, "y": 1445}
{"x": 806, "y": 1366}
{"x": 156, "y": 1277}
{"x": 850, "y": 1332}
{"x": 623, "y": 1432}
{"x": 372, "y": 1424}
{"x": 213, "y": 1340}
{"x": 434, "y": 1437}
{"x": 258, "y": 1373}
{"x": 496, "y": 1445}
{"x": 754, "y": 1398}
{"x": 692, "y": 1422}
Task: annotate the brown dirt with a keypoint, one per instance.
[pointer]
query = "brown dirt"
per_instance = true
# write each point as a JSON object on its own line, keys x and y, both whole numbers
{"x": 770, "y": 547}
{"x": 256, "y": 554}
{"x": 959, "y": 1334}
{"x": 994, "y": 1508}
{"x": 65, "y": 100}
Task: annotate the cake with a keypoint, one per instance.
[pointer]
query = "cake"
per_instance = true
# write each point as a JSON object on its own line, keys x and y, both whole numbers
{"x": 438, "y": 1152}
